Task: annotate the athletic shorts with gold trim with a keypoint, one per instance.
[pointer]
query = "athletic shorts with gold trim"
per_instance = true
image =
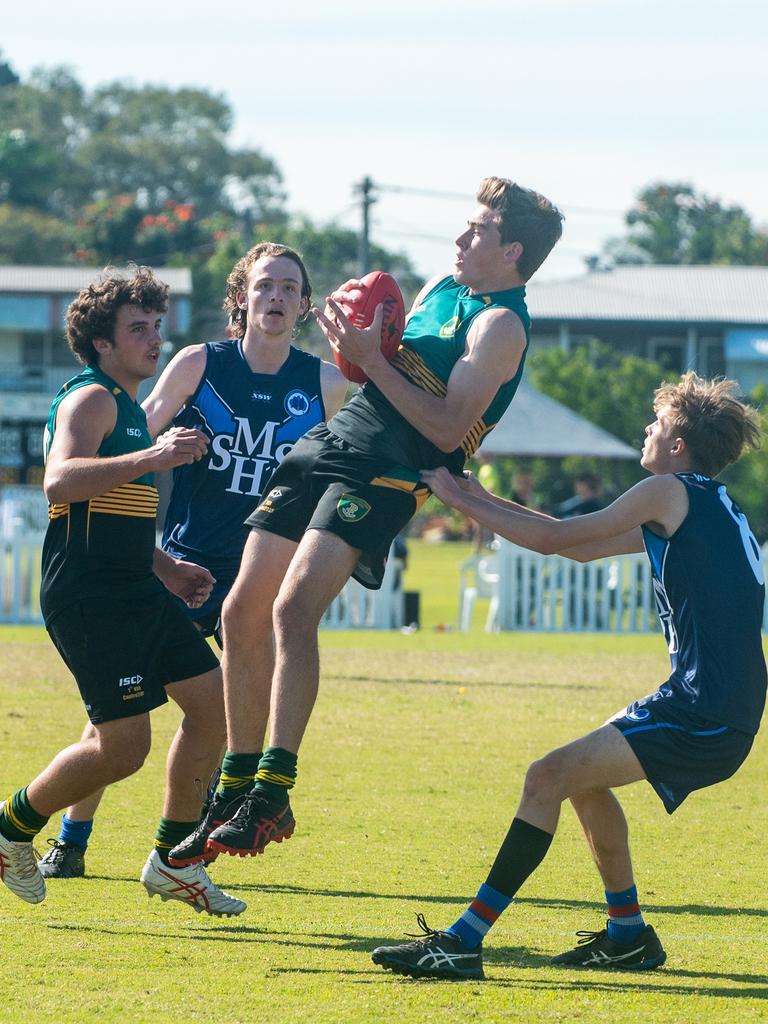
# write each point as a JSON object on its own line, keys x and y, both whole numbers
{"x": 123, "y": 651}
{"x": 324, "y": 483}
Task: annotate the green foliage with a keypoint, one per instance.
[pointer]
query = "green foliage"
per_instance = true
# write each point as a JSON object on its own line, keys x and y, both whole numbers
{"x": 608, "y": 387}
{"x": 148, "y": 174}
{"x": 27, "y": 166}
{"x": 747, "y": 479}
{"x": 671, "y": 223}
{"x": 150, "y": 141}
{"x": 28, "y": 236}
{"x": 7, "y": 75}
{"x": 611, "y": 389}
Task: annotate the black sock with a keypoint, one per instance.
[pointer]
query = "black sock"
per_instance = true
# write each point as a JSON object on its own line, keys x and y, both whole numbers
{"x": 523, "y": 849}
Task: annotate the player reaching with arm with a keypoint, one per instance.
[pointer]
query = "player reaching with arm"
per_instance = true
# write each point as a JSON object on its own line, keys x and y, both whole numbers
{"x": 337, "y": 501}
{"x": 252, "y": 398}
{"x": 693, "y": 732}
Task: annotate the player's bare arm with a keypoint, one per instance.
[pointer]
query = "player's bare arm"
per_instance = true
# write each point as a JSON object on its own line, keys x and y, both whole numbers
{"x": 660, "y": 503}
{"x": 74, "y": 471}
{"x": 175, "y": 386}
{"x": 333, "y": 385}
{"x": 495, "y": 345}
{"x": 627, "y": 543}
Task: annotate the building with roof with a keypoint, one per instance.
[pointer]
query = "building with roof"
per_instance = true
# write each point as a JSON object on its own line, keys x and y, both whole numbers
{"x": 35, "y": 359}
{"x": 710, "y": 319}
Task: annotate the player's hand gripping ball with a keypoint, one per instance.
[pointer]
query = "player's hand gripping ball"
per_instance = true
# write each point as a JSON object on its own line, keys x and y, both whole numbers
{"x": 376, "y": 288}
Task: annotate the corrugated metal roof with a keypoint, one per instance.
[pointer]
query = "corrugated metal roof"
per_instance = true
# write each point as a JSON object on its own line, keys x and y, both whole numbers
{"x": 729, "y": 295}
{"x": 69, "y": 280}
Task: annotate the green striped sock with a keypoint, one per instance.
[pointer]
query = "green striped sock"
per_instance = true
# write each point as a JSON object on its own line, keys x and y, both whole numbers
{"x": 19, "y": 821}
{"x": 170, "y": 834}
{"x": 237, "y": 774}
{"x": 276, "y": 774}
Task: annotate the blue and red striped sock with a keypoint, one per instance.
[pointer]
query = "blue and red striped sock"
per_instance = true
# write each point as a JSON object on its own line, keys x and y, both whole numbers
{"x": 625, "y": 921}
{"x": 477, "y": 919}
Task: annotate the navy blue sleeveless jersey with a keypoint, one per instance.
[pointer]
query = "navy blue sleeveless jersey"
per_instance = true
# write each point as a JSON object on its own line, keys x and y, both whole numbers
{"x": 708, "y": 579}
{"x": 252, "y": 421}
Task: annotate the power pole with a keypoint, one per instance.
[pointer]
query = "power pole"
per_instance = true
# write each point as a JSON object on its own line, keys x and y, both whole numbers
{"x": 367, "y": 199}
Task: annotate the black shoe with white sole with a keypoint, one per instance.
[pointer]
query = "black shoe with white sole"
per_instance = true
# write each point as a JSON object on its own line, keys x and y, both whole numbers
{"x": 436, "y": 955}
{"x": 596, "y": 949}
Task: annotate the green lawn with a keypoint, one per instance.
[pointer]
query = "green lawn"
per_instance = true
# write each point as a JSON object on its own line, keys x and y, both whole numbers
{"x": 408, "y": 779}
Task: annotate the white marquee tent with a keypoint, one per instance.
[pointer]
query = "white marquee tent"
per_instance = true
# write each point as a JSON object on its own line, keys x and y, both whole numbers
{"x": 535, "y": 425}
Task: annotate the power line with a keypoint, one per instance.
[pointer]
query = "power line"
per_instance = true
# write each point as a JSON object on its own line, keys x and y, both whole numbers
{"x": 432, "y": 193}
{"x": 445, "y": 240}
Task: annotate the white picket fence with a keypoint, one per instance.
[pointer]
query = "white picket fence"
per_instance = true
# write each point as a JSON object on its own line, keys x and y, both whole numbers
{"x": 20, "y": 578}
{"x": 354, "y": 608}
{"x": 527, "y": 591}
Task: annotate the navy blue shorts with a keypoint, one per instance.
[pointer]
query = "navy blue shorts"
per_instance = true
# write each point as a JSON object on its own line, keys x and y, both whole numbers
{"x": 207, "y": 617}
{"x": 678, "y": 750}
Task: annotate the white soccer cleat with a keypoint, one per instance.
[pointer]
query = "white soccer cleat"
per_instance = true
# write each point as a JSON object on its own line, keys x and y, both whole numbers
{"x": 19, "y": 870}
{"x": 190, "y": 885}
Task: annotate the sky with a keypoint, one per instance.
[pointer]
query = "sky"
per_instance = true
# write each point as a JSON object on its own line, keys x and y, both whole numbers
{"x": 586, "y": 102}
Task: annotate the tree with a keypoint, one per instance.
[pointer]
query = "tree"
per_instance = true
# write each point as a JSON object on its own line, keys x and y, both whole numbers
{"x": 7, "y": 75}
{"x": 673, "y": 224}
{"x": 28, "y": 236}
{"x": 608, "y": 388}
{"x": 153, "y": 142}
{"x": 747, "y": 479}
{"x": 146, "y": 173}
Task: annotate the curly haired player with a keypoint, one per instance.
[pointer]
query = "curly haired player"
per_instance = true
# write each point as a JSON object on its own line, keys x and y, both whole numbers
{"x": 252, "y": 397}
{"x": 117, "y": 627}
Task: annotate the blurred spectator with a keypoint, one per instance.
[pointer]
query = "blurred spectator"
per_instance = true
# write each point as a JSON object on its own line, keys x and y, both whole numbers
{"x": 522, "y": 488}
{"x": 587, "y": 497}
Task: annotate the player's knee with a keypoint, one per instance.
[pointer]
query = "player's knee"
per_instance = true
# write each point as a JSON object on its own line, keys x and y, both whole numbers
{"x": 292, "y": 616}
{"x": 544, "y": 779}
{"x": 207, "y": 720}
{"x": 245, "y": 620}
{"x": 124, "y": 760}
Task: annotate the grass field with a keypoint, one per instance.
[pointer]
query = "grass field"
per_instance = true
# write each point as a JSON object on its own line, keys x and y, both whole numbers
{"x": 408, "y": 779}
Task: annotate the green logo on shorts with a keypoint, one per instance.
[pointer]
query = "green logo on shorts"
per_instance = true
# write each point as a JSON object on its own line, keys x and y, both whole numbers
{"x": 351, "y": 509}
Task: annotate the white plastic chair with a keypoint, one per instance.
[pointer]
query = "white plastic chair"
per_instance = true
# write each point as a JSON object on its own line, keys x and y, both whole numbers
{"x": 479, "y": 578}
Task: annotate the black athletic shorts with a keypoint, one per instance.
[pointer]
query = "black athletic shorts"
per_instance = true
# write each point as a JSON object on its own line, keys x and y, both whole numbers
{"x": 123, "y": 652}
{"x": 326, "y": 484}
{"x": 679, "y": 751}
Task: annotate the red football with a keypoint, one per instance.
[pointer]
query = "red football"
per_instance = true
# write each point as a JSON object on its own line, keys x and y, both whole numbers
{"x": 376, "y": 288}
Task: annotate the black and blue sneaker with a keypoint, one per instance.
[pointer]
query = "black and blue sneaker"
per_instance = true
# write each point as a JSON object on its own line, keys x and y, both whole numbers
{"x": 597, "y": 949}
{"x": 435, "y": 955}
{"x": 63, "y": 860}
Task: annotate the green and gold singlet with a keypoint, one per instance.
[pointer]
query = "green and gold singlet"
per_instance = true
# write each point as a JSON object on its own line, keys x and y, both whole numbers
{"x": 105, "y": 544}
{"x": 434, "y": 340}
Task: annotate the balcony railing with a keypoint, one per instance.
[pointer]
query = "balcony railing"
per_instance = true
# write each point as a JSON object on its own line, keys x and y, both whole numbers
{"x": 17, "y": 379}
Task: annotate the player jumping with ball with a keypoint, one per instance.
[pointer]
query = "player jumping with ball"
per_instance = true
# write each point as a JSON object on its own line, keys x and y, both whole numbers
{"x": 335, "y": 504}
